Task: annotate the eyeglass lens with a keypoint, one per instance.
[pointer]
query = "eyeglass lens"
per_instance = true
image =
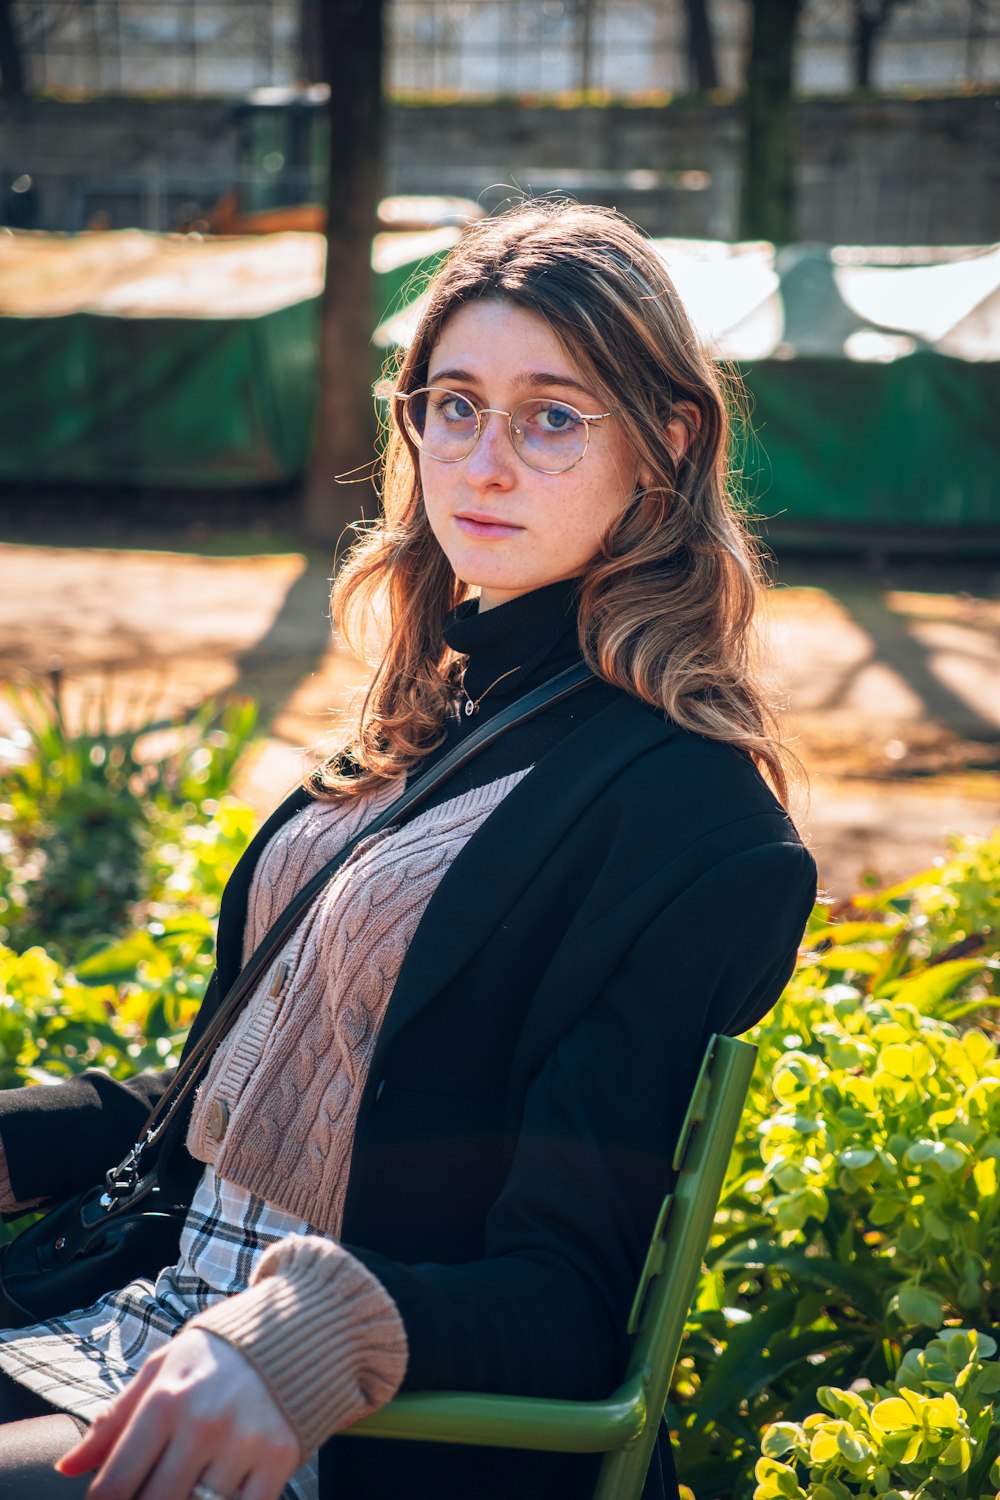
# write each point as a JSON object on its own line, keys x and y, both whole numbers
{"x": 549, "y": 435}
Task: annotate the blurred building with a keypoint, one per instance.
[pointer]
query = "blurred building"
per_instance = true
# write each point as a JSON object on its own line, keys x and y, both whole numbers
{"x": 181, "y": 115}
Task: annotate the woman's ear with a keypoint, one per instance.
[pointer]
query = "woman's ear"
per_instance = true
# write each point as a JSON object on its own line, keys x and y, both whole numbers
{"x": 681, "y": 427}
{"x": 678, "y": 433}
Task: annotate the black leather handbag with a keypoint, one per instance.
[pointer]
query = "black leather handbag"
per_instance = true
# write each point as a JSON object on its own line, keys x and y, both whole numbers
{"x": 83, "y": 1248}
{"x": 127, "y": 1227}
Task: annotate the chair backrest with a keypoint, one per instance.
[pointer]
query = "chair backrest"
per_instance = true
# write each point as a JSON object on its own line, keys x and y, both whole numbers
{"x": 624, "y": 1426}
{"x": 673, "y": 1264}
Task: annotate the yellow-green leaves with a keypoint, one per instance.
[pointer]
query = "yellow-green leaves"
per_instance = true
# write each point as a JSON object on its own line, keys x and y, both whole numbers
{"x": 863, "y": 1209}
{"x": 893, "y": 1440}
{"x": 888, "y": 1119}
{"x": 776, "y": 1481}
{"x": 894, "y": 1415}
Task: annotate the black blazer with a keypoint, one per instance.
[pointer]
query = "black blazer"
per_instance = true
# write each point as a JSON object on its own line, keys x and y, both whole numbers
{"x": 639, "y": 889}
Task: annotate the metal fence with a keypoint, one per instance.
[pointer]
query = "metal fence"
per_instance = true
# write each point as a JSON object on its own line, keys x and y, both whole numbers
{"x": 472, "y": 48}
{"x": 209, "y": 47}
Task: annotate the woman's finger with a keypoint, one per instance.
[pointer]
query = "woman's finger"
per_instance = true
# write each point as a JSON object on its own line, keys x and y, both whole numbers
{"x": 258, "y": 1486}
{"x": 99, "y": 1439}
{"x": 224, "y": 1482}
{"x": 197, "y": 1412}
{"x": 262, "y": 1483}
{"x": 152, "y": 1457}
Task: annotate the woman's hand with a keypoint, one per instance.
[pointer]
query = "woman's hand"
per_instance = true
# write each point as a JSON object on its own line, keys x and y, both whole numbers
{"x": 196, "y": 1411}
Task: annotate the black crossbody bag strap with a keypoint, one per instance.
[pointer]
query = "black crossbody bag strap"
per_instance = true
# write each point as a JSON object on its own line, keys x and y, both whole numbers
{"x": 122, "y": 1180}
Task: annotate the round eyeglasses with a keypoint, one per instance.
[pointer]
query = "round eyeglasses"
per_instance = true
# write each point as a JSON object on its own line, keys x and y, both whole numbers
{"x": 550, "y": 436}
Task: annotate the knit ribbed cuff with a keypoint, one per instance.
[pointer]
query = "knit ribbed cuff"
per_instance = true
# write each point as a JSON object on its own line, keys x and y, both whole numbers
{"x": 321, "y": 1330}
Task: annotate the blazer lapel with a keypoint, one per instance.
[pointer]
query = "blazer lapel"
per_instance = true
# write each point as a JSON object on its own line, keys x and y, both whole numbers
{"x": 501, "y": 859}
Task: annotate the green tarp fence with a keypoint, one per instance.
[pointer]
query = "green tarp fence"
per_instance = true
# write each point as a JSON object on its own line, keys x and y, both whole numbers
{"x": 135, "y": 401}
{"x": 913, "y": 444}
{"x": 180, "y": 362}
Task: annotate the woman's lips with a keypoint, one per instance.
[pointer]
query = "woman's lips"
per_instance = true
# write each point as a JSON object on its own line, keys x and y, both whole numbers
{"x": 479, "y": 526}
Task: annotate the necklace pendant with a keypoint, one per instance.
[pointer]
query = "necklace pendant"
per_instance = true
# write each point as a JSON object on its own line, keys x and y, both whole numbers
{"x": 470, "y": 708}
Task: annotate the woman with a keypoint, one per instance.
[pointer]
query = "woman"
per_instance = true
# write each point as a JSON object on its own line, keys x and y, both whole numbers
{"x": 436, "y": 1145}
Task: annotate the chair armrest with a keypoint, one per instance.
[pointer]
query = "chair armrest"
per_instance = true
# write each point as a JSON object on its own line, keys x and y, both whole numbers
{"x": 512, "y": 1421}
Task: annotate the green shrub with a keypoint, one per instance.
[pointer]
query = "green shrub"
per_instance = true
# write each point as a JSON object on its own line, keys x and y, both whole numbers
{"x": 861, "y": 1208}
{"x": 125, "y": 1004}
{"x": 934, "y": 1431}
{"x": 118, "y": 846}
{"x": 87, "y": 810}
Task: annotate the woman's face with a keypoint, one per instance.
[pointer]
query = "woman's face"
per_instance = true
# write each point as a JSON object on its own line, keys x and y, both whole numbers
{"x": 503, "y": 526}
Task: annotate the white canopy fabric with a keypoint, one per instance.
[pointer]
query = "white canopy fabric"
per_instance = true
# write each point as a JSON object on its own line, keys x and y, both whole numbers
{"x": 749, "y": 302}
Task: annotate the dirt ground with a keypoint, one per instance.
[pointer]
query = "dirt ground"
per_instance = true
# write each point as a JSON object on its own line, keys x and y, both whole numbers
{"x": 889, "y": 672}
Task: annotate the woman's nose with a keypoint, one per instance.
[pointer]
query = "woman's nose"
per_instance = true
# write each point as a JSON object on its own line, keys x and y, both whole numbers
{"x": 493, "y": 458}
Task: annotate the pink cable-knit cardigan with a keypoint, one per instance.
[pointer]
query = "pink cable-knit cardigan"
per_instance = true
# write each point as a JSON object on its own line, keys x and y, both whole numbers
{"x": 276, "y": 1112}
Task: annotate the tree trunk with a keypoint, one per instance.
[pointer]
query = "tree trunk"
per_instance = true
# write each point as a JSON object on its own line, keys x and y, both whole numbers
{"x": 586, "y": 31}
{"x": 870, "y": 17}
{"x": 11, "y": 62}
{"x": 310, "y": 40}
{"x": 864, "y": 36}
{"x": 702, "y": 71}
{"x": 768, "y": 198}
{"x": 345, "y": 420}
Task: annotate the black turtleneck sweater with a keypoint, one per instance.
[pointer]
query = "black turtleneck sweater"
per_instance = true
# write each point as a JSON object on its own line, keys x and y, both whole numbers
{"x": 533, "y": 638}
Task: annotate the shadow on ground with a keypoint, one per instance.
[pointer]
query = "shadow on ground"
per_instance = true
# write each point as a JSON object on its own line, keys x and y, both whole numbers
{"x": 891, "y": 674}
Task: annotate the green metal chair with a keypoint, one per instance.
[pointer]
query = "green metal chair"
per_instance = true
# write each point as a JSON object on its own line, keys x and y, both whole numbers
{"x": 623, "y": 1427}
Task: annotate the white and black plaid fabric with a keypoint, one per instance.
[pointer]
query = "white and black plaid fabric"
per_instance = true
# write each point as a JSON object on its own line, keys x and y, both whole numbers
{"x": 80, "y": 1361}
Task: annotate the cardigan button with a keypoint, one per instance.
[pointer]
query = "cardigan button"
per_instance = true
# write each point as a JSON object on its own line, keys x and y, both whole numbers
{"x": 218, "y": 1119}
{"x": 380, "y": 1090}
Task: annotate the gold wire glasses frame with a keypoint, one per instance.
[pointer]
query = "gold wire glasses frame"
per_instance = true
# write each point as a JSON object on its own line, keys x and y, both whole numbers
{"x": 548, "y": 449}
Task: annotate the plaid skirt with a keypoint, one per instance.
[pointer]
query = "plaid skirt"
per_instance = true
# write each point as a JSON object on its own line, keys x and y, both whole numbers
{"x": 78, "y": 1362}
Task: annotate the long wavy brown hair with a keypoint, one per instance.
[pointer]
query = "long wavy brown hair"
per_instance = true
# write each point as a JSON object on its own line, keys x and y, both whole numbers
{"x": 667, "y": 607}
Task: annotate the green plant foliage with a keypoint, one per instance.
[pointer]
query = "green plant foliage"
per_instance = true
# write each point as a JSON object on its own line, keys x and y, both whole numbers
{"x": 116, "y": 851}
{"x": 72, "y": 827}
{"x": 862, "y": 1205}
{"x": 86, "y": 810}
{"x": 125, "y": 1003}
{"x": 932, "y": 1431}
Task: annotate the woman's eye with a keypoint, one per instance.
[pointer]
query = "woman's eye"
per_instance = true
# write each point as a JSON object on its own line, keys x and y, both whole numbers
{"x": 455, "y": 408}
{"x": 552, "y": 418}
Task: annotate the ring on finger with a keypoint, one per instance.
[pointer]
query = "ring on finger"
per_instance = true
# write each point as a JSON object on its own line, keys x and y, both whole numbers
{"x": 205, "y": 1492}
